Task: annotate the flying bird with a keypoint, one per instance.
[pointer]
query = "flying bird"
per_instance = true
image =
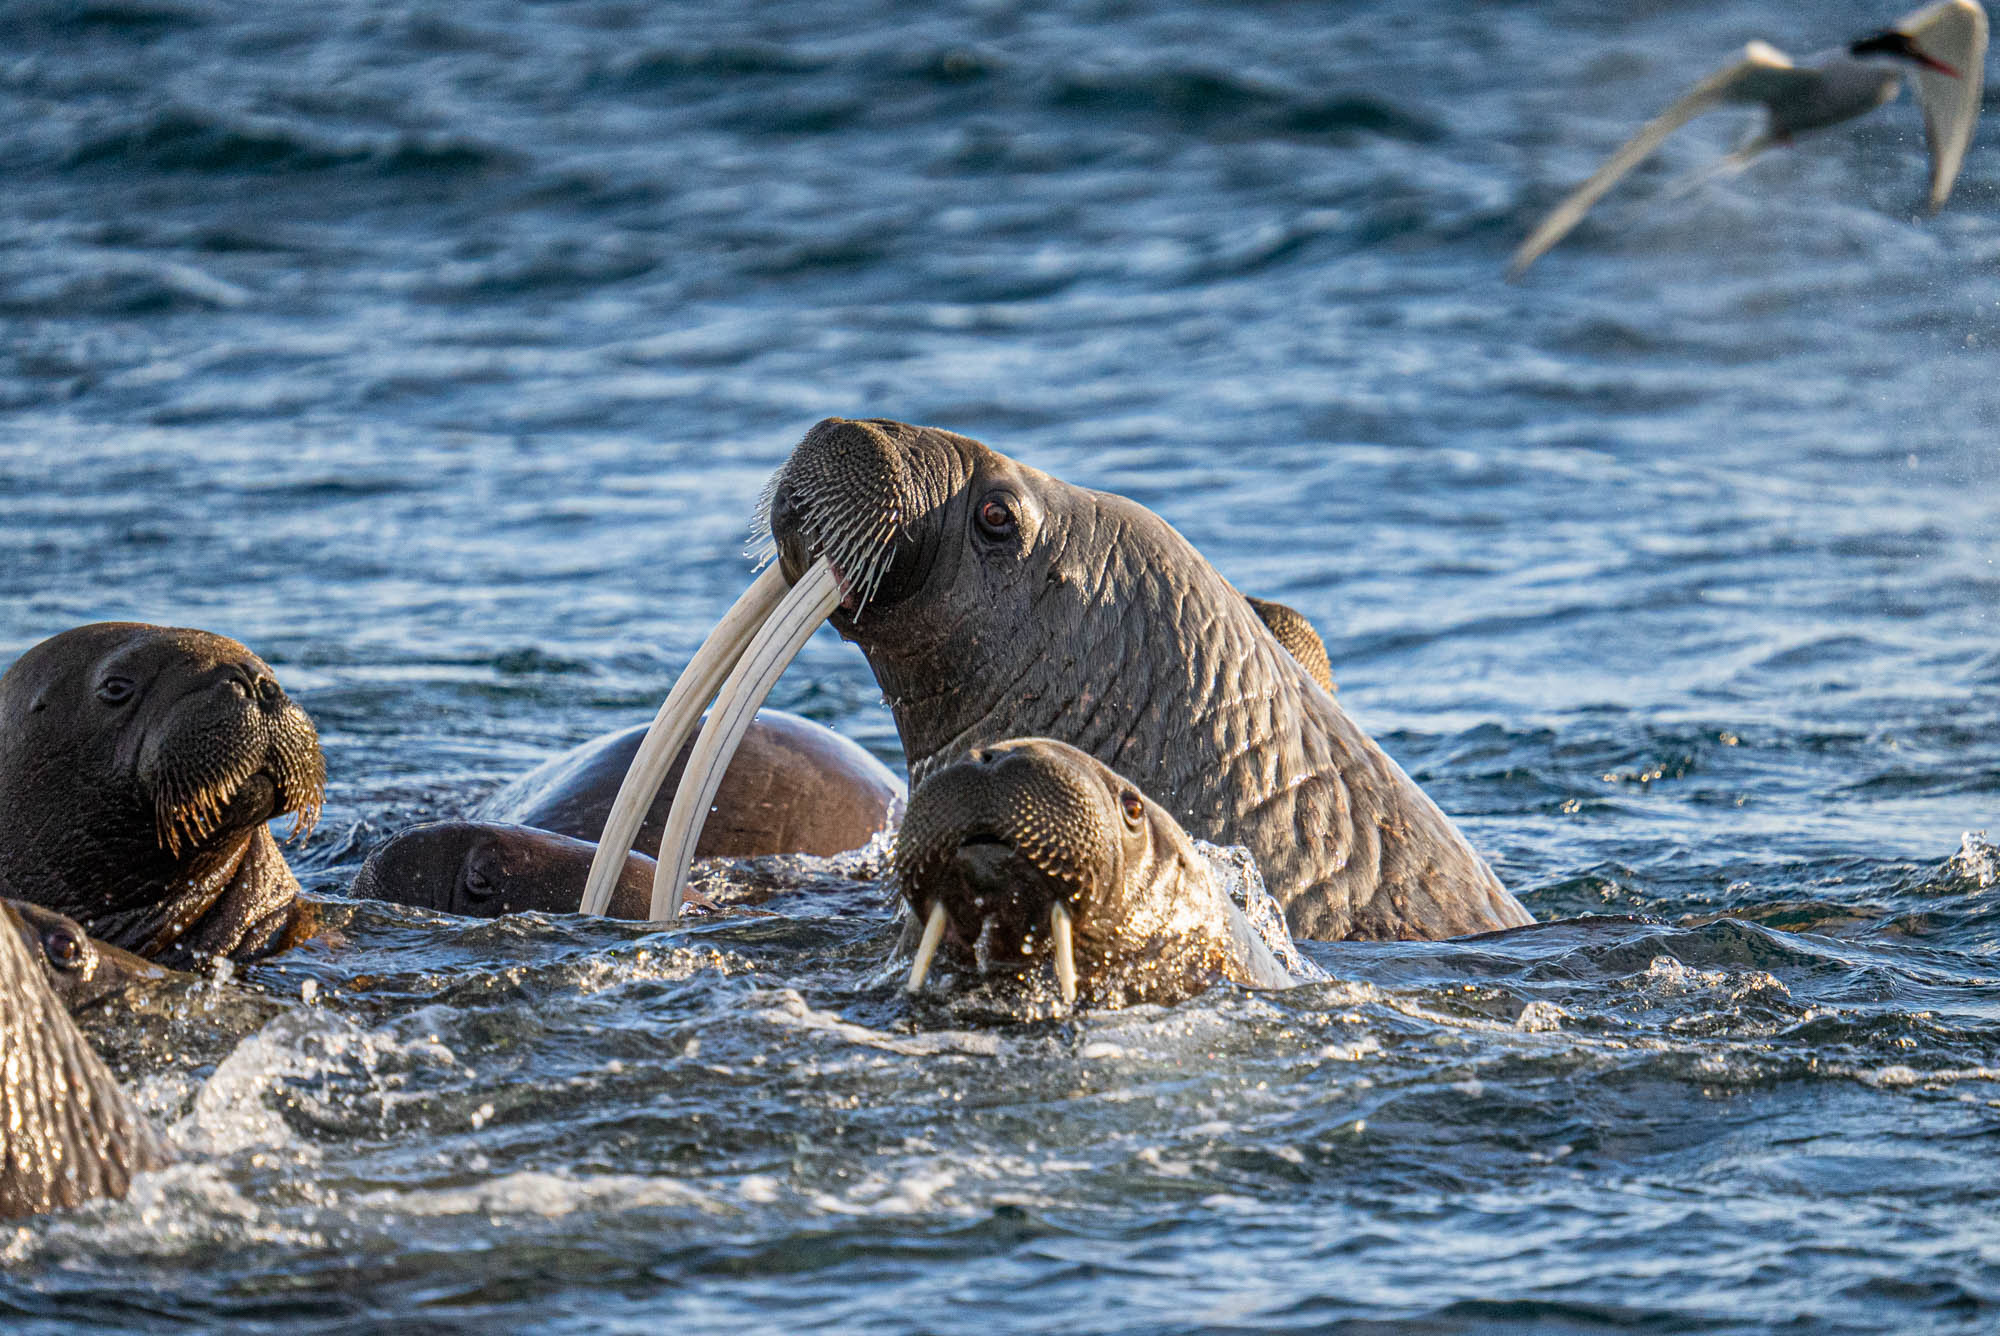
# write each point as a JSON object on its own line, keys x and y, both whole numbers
{"x": 1941, "y": 48}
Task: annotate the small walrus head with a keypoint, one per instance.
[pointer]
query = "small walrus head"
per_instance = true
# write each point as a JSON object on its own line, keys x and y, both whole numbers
{"x": 1030, "y": 850}
{"x": 138, "y": 765}
{"x": 484, "y": 869}
{"x": 81, "y": 970}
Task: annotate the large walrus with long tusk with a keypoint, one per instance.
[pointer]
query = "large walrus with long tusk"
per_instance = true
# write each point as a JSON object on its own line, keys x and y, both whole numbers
{"x": 138, "y": 767}
{"x": 1030, "y": 852}
{"x": 67, "y": 1133}
{"x": 994, "y": 601}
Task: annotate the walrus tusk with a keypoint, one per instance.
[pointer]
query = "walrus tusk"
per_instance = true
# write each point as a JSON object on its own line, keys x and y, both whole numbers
{"x": 677, "y": 717}
{"x": 1064, "y": 952}
{"x": 927, "y": 948}
{"x": 776, "y": 643}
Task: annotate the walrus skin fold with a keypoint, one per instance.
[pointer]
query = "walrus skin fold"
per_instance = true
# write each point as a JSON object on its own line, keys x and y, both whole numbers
{"x": 138, "y": 767}
{"x": 67, "y": 1132}
{"x": 993, "y": 601}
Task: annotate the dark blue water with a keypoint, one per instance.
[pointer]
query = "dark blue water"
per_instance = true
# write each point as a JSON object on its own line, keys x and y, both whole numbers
{"x": 439, "y": 352}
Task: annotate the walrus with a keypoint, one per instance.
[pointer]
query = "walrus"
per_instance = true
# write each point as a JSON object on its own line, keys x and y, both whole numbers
{"x": 67, "y": 1132}
{"x": 993, "y": 601}
{"x": 138, "y": 767}
{"x": 1029, "y": 852}
{"x": 79, "y": 969}
{"x": 794, "y": 787}
{"x": 484, "y": 869}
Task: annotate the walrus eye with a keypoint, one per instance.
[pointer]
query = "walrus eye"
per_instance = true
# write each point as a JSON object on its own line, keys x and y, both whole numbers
{"x": 477, "y": 884}
{"x": 115, "y": 690}
{"x": 996, "y": 516}
{"x": 64, "y": 949}
{"x": 1134, "y": 808}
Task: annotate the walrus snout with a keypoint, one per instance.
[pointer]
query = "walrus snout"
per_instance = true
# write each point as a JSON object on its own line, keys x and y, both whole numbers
{"x": 999, "y": 840}
{"x": 233, "y": 751}
{"x": 846, "y": 494}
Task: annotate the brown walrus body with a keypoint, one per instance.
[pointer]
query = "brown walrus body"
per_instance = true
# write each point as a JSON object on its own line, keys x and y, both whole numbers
{"x": 793, "y": 787}
{"x": 138, "y": 767}
{"x": 67, "y": 1133}
{"x": 994, "y": 601}
{"x": 1008, "y": 839}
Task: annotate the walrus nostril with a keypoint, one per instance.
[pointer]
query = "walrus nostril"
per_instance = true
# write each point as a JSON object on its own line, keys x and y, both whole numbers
{"x": 269, "y": 692}
{"x": 787, "y": 512}
{"x": 988, "y": 864}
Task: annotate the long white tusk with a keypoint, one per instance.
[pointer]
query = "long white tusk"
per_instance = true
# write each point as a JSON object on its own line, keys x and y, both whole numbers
{"x": 1064, "y": 952}
{"x": 671, "y": 726}
{"x": 790, "y": 625}
{"x": 927, "y": 948}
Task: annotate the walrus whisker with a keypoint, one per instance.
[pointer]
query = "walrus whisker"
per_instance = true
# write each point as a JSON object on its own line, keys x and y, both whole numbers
{"x": 920, "y": 968}
{"x": 678, "y": 714}
{"x": 776, "y": 643}
{"x": 1063, "y": 947}
{"x": 835, "y": 526}
{"x": 304, "y": 819}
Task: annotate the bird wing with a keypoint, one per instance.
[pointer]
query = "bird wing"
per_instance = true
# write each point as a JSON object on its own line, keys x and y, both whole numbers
{"x": 1750, "y": 78}
{"x": 1954, "y": 33}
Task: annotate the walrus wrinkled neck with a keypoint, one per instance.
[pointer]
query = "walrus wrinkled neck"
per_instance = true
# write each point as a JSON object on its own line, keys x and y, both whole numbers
{"x": 67, "y": 1133}
{"x": 237, "y": 898}
{"x": 1119, "y": 640}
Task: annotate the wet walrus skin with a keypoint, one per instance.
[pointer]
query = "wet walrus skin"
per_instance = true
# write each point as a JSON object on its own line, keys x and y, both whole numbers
{"x": 78, "y": 968}
{"x": 994, "y": 601}
{"x": 138, "y": 766}
{"x": 67, "y": 1133}
{"x": 793, "y": 787}
{"x": 1002, "y": 836}
{"x": 483, "y": 869}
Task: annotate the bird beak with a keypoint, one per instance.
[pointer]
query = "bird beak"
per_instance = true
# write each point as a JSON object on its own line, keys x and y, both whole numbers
{"x": 1931, "y": 64}
{"x": 1902, "y": 45}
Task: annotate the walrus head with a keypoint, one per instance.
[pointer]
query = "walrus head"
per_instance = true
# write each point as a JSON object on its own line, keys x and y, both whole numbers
{"x": 483, "y": 869}
{"x": 1030, "y": 851}
{"x": 138, "y": 767}
{"x": 67, "y": 1133}
{"x": 82, "y": 971}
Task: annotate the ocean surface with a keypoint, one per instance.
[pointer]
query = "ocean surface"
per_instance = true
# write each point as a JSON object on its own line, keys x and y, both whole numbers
{"x": 439, "y": 351}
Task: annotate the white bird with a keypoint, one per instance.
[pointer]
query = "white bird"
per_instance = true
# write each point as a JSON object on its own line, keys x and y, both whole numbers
{"x": 1941, "y": 48}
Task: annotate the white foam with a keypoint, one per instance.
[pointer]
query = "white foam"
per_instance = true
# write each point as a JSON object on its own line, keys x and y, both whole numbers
{"x": 787, "y": 1008}
{"x": 1977, "y": 860}
{"x": 1237, "y": 873}
{"x": 534, "y": 1193}
{"x": 1539, "y": 1018}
